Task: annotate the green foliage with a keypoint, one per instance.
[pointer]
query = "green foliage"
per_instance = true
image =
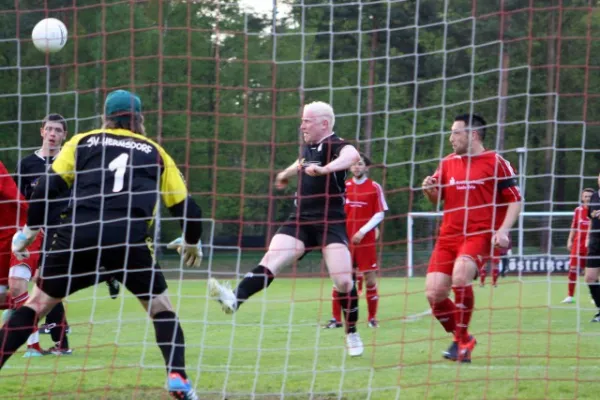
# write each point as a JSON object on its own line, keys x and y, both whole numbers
{"x": 223, "y": 93}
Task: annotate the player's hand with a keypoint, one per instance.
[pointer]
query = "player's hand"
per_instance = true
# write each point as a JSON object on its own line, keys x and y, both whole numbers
{"x": 429, "y": 186}
{"x": 192, "y": 253}
{"x": 358, "y": 237}
{"x": 316, "y": 170}
{"x": 21, "y": 240}
{"x": 501, "y": 239}
{"x": 281, "y": 181}
{"x": 587, "y": 241}
{"x": 376, "y": 233}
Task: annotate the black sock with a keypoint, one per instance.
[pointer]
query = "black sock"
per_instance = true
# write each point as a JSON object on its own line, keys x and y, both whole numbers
{"x": 349, "y": 304}
{"x": 58, "y": 322}
{"x": 170, "y": 340}
{"x": 595, "y": 292}
{"x": 15, "y": 332}
{"x": 258, "y": 279}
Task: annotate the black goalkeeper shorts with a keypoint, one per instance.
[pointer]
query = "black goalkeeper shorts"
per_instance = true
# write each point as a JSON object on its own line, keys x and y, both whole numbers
{"x": 315, "y": 232}
{"x": 593, "y": 256}
{"x": 85, "y": 255}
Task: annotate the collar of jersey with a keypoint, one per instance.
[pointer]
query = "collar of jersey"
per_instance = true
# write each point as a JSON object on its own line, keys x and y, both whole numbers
{"x": 37, "y": 153}
{"x": 360, "y": 181}
{"x": 321, "y": 141}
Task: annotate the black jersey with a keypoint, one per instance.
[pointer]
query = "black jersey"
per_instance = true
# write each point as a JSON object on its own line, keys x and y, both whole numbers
{"x": 118, "y": 174}
{"x": 29, "y": 171}
{"x": 594, "y": 215}
{"x": 320, "y": 196}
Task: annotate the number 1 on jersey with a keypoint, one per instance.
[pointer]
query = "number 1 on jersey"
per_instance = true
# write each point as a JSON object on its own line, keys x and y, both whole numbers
{"x": 119, "y": 165}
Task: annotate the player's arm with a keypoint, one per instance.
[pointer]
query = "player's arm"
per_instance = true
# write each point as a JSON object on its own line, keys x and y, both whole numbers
{"x": 431, "y": 187}
{"x": 572, "y": 232}
{"x": 379, "y": 207}
{"x": 282, "y": 178}
{"x": 589, "y": 232}
{"x": 510, "y": 194}
{"x": 346, "y": 157}
{"x": 182, "y": 206}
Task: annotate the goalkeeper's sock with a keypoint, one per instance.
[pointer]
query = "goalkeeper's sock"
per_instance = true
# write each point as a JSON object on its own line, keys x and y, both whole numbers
{"x": 464, "y": 301}
{"x": 482, "y": 275}
{"x": 595, "y": 293}
{"x": 572, "y": 281}
{"x": 445, "y": 313}
{"x": 495, "y": 274}
{"x": 170, "y": 340}
{"x": 56, "y": 319}
{"x": 15, "y": 332}
{"x": 349, "y": 305}
{"x": 256, "y": 280}
{"x": 336, "y": 307}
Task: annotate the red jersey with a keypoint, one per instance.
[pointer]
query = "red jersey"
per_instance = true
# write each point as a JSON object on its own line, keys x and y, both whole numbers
{"x": 363, "y": 200}
{"x": 12, "y": 204}
{"x": 581, "y": 223}
{"x": 476, "y": 191}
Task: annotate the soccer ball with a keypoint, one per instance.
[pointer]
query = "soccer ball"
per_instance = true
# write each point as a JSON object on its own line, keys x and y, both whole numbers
{"x": 49, "y": 35}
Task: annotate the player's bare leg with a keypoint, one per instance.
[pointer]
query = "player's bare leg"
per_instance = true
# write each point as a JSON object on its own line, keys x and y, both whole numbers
{"x": 19, "y": 276}
{"x": 372, "y": 297}
{"x": 465, "y": 270}
{"x": 171, "y": 341}
{"x": 339, "y": 264}
{"x": 437, "y": 291}
{"x": 482, "y": 276}
{"x": 283, "y": 251}
{"x": 591, "y": 278}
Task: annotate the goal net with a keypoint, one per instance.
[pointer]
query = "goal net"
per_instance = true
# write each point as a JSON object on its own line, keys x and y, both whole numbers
{"x": 223, "y": 83}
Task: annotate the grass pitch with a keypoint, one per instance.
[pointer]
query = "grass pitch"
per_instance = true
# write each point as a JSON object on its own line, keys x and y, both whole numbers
{"x": 529, "y": 347}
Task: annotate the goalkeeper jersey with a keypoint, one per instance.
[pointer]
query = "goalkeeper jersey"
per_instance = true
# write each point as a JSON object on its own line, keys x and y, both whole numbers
{"x": 120, "y": 174}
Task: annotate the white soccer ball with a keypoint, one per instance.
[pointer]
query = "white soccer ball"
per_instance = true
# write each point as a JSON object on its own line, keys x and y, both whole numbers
{"x": 49, "y": 35}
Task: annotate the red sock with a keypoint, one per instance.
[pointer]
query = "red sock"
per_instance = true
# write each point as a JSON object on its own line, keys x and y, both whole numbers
{"x": 359, "y": 281}
{"x": 18, "y": 301}
{"x": 463, "y": 296}
{"x": 372, "y": 301}
{"x": 482, "y": 275}
{"x": 445, "y": 312}
{"x": 495, "y": 274}
{"x": 572, "y": 281}
{"x": 336, "y": 307}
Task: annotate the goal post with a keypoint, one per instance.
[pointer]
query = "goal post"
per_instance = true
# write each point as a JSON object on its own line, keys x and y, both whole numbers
{"x": 528, "y": 246}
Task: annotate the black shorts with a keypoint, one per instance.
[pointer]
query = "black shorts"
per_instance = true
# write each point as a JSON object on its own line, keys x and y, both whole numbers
{"x": 593, "y": 256}
{"x": 315, "y": 232}
{"x": 83, "y": 256}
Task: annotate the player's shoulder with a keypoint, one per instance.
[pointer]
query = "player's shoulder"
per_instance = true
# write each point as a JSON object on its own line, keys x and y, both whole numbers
{"x": 93, "y": 138}
{"x": 349, "y": 182}
{"x": 31, "y": 159}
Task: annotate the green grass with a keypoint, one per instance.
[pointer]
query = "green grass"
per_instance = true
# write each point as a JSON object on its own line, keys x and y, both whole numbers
{"x": 530, "y": 347}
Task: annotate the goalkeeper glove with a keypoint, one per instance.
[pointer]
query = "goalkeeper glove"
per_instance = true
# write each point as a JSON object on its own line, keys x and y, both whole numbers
{"x": 192, "y": 253}
{"x": 21, "y": 240}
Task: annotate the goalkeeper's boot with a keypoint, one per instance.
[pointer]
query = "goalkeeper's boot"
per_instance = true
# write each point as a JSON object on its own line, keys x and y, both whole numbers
{"x": 596, "y": 318}
{"x": 465, "y": 349}
{"x": 180, "y": 388}
{"x": 57, "y": 351}
{"x": 354, "y": 344}
{"x": 332, "y": 324}
{"x": 223, "y": 294}
{"x": 33, "y": 350}
{"x": 113, "y": 288}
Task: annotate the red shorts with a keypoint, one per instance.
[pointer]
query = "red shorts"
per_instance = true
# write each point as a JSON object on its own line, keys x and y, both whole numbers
{"x": 364, "y": 256}
{"x": 447, "y": 249}
{"x": 578, "y": 259}
{"x": 9, "y": 260}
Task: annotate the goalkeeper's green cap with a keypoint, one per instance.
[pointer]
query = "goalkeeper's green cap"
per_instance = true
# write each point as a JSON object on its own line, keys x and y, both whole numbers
{"x": 122, "y": 103}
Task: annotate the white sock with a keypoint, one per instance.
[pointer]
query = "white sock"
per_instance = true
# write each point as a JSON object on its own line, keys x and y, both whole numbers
{"x": 33, "y": 338}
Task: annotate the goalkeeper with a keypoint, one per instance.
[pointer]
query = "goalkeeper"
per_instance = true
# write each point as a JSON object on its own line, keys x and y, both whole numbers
{"x": 117, "y": 176}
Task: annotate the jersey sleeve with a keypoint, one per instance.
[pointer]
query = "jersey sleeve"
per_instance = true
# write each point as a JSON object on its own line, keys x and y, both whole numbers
{"x": 575, "y": 221}
{"x": 507, "y": 181}
{"x": 64, "y": 164}
{"x": 337, "y": 146}
{"x": 379, "y": 203}
{"x": 172, "y": 185}
{"x": 8, "y": 187}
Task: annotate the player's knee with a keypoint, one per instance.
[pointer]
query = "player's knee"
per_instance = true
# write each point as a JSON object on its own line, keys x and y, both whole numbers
{"x": 343, "y": 284}
{"x": 464, "y": 272}
{"x": 370, "y": 278}
{"x": 159, "y": 304}
{"x": 436, "y": 294}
